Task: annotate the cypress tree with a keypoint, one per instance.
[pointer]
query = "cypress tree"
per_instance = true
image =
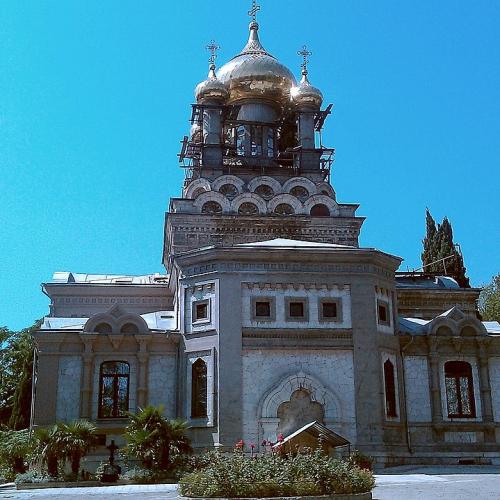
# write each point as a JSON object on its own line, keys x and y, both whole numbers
{"x": 438, "y": 244}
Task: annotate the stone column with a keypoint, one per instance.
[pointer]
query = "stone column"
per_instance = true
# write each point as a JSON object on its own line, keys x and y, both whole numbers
{"x": 437, "y": 412}
{"x": 142, "y": 375}
{"x": 87, "y": 376}
{"x": 484, "y": 380}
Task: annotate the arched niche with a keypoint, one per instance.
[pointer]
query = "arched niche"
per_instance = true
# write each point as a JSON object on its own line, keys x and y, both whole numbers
{"x": 300, "y": 181}
{"x": 228, "y": 179}
{"x": 215, "y": 197}
{"x": 289, "y": 200}
{"x": 266, "y": 181}
{"x": 249, "y": 198}
{"x": 197, "y": 187}
{"x": 321, "y": 199}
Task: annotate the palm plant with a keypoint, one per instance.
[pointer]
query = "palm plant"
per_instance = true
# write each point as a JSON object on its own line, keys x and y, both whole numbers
{"x": 154, "y": 439}
{"x": 48, "y": 446}
{"x": 77, "y": 438}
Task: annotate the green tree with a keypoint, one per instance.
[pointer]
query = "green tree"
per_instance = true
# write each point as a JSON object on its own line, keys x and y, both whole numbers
{"x": 489, "y": 300}
{"x": 16, "y": 360}
{"x": 154, "y": 439}
{"x": 15, "y": 447}
{"x": 440, "y": 254}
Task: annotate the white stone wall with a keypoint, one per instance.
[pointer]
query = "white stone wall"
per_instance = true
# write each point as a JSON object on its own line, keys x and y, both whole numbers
{"x": 68, "y": 388}
{"x": 313, "y": 293}
{"x": 392, "y": 358}
{"x": 206, "y": 290}
{"x": 162, "y": 383}
{"x": 418, "y": 398}
{"x": 275, "y": 374}
{"x": 475, "y": 383}
{"x": 494, "y": 366}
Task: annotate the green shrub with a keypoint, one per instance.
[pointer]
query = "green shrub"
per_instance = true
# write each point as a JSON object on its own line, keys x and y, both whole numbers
{"x": 140, "y": 475}
{"x": 273, "y": 475}
{"x": 34, "y": 476}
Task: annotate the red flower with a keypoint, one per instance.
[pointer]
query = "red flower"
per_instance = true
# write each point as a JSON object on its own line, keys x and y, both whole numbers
{"x": 280, "y": 438}
{"x": 252, "y": 445}
{"x": 240, "y": 444}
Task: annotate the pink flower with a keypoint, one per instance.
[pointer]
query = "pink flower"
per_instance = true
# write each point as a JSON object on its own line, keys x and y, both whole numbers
{"x": 252, "y": 445}
{"x": 240, "y": 444}
{"x": 280, "y": 438}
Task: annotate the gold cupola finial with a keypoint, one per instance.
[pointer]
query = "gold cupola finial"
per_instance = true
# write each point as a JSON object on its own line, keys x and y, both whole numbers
{"x": 213, "y": 48}
{"x": 304, "y": 94}
{"x": 253, "y": 11}
{"x": 211, "y": 88}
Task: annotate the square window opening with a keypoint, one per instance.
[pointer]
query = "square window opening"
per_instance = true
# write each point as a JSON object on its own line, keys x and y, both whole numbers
{"x": 329, "y": 310}
{"x": 262, "y": 309}
{"x": 200, "y": 311}
{"x": 296, "y": 309}
{"x": 383, "y": 314}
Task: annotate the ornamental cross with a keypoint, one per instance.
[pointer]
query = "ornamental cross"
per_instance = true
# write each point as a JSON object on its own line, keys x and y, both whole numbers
{"x": 253, "y": 11}
{"x": 213, "y": 48}
{"x": 304, "y": 53}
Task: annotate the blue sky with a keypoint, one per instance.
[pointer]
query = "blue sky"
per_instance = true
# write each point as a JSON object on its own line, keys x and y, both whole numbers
{"x": 95, "y": 96}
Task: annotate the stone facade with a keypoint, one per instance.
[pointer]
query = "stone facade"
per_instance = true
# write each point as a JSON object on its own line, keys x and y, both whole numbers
{"x": 270, "y": 313}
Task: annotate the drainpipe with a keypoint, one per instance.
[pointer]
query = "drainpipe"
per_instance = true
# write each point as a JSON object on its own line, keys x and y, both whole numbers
{"x": 407, "y": 427}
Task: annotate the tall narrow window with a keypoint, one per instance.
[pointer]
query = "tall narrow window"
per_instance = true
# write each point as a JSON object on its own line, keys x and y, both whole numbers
{"x": 390, "y": 390}
{"x": 199, "y": 389}
{"x": 270, "y": 143}
{"x": 256, "y": 139}
{"x": 113, "y": 389}
{"x": 240, "y": 140}
{"x": 459, "y": 389}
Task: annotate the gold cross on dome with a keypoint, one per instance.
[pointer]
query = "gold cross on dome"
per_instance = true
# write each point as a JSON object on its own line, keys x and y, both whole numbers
{"x": 253, "y": 11}
{"x": 304, "y": 53}
{"x": 213, "y": 48}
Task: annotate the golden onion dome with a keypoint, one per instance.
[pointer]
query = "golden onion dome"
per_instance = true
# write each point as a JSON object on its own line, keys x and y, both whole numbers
{"x": 305, "y": 94}
{"x": 211, "y": 88}
{"x": 254, "y": 73}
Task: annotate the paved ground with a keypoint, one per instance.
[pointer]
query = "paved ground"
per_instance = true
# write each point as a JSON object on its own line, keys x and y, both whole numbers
{"x": 398, "y": 483}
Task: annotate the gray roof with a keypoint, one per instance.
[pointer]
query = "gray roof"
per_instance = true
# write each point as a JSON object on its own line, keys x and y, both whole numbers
{"x": 158, "y": 320}
{"x": 115, "y": 279}
{"x": 426, "y": 281}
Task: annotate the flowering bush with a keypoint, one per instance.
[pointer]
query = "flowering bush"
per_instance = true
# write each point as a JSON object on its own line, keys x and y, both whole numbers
{"x": 273, "y": 475}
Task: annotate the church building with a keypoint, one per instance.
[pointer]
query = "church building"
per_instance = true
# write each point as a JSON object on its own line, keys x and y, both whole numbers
{"x": 270, "y": 315}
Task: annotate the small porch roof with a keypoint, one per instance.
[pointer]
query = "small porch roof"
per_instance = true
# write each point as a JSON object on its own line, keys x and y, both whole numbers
{"x": 315, "y": 429}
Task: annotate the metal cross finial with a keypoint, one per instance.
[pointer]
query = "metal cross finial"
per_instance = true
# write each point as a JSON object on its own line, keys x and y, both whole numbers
{"x": 253, "y": 11}
{"x": 304, "y": 53}
{"x": 213, "y": 48}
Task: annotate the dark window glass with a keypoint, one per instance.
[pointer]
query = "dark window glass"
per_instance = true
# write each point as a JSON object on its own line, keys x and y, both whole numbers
{"x": 263, "y": 309}
{"x": 129, "y": 328}
{"x": 270, "y": 143}
{"x": 320, "y": 210}
{"x": 211, "y": 207}
{"x": 248, "y": 208}
{"x": 199, "y": 389}
{"x": 296, "y": 309}
{"x": 329, "y": 309}
{"x": 459, "y": 389}
{"x": 284, "y": 209}
{"x": 390, "y": 389}
{"x": 240, "y": 140}
{"x": 103, "y": 328}
{"x": 113, "y": 389}
{"x": 256, "y": 140}
{"x": 201, "y": 311}
{"x": 382, "y": 313}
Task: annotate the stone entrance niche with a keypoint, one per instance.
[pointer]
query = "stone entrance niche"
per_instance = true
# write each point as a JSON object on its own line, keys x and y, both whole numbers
{"x": 299, "y": 411}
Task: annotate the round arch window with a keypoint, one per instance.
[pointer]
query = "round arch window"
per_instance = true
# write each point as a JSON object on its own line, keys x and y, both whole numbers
{"x": 284, "y": 209}
{"x": 248, "y": 209}
{"x": 229, "y": 191}
{"x": 265, "y": 191}
{"x": 129, "y": 328}
{"x": 211, "y": 207}
{"x": 320, "y": 210}
{"x": 300, "y": 192}
{"x": 103, "y": 328}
